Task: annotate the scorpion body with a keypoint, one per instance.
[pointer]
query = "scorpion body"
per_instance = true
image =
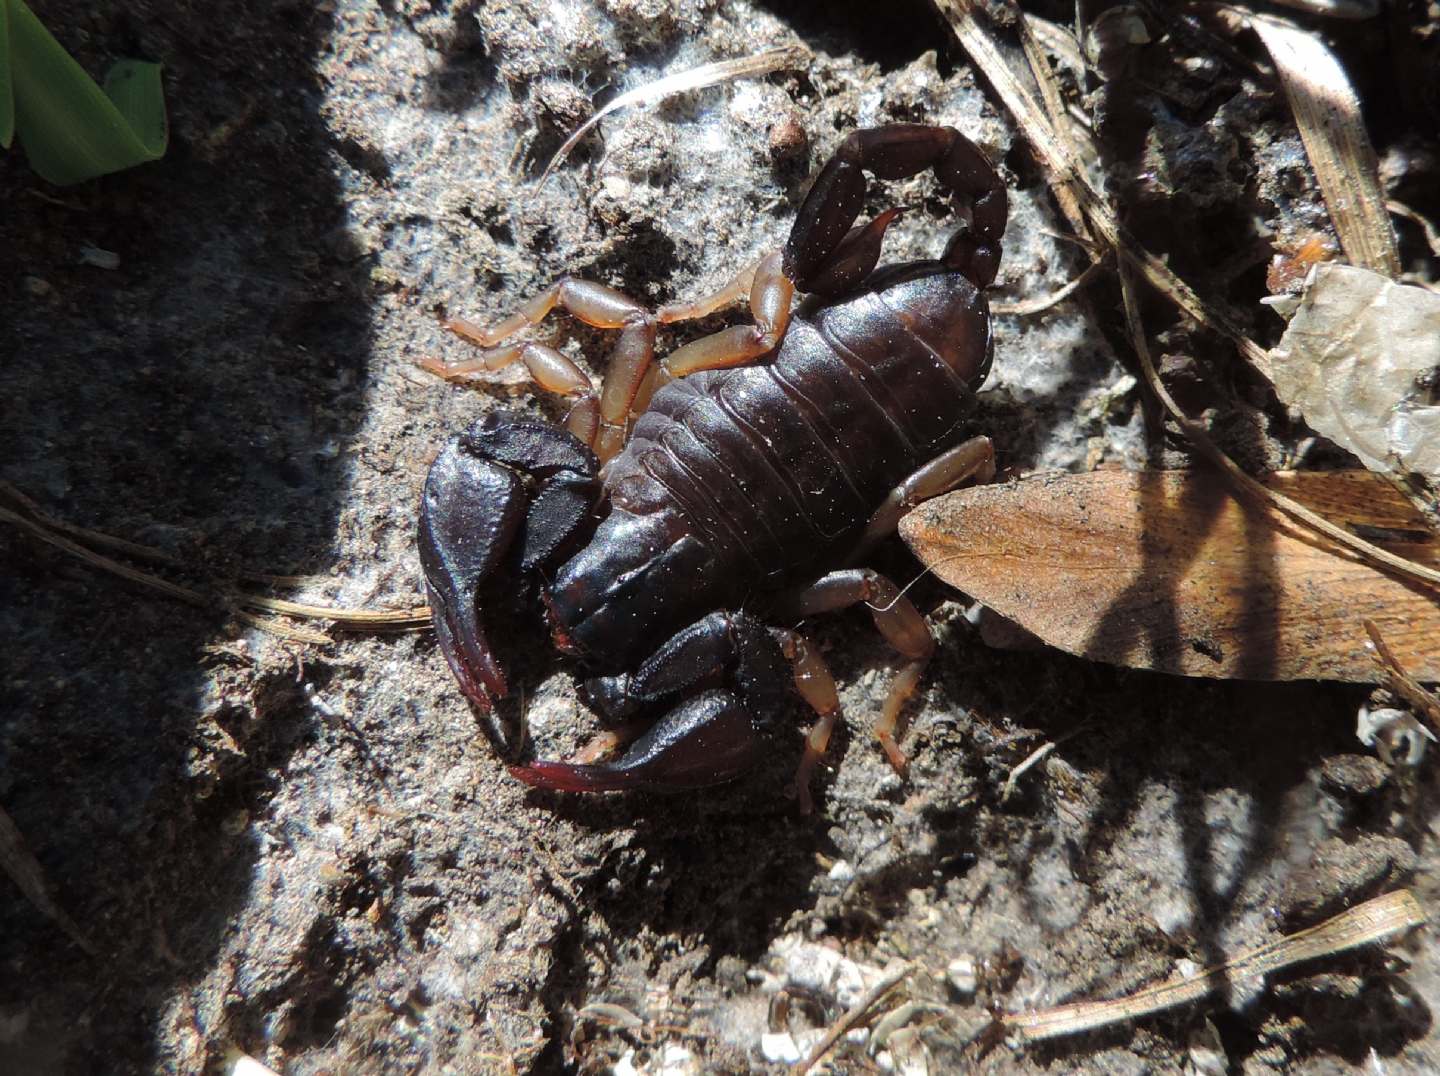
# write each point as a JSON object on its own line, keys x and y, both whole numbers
{"x": 740, "y": 484}
{"x": 742, "y": 476}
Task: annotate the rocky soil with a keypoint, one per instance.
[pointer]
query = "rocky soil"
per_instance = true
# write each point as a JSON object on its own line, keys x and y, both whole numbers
{"x": 314, "y": 855}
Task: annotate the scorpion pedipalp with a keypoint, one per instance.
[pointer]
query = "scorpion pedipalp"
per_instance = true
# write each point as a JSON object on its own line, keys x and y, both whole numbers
{"x": 723, "y": 680}
{"x": 706, "y": 740}
{"x": 508, "y": 478}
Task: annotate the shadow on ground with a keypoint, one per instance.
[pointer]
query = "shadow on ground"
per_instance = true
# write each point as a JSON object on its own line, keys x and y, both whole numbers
{"x": 184, "y": 399}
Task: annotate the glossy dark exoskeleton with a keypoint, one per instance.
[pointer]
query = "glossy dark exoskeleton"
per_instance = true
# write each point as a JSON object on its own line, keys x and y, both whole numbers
{"x": 692, "y": 500}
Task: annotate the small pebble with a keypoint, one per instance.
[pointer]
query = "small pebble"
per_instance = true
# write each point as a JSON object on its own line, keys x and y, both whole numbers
{"x": 100, "y": 259}
{"x": 788, "y": 140}
{"x": 960, "y": 974}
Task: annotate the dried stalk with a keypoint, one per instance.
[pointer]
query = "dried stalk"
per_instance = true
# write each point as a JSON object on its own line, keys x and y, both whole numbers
{"x": 762, "y": 63}
{"x": 1364, "y": 924}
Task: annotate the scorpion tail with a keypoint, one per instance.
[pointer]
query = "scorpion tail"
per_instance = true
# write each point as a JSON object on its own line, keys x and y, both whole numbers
{"x": 706, "y": 740}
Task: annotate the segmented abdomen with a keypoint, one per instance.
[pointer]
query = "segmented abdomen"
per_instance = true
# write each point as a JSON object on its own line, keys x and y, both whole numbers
{"x": 737, "y": 482}
{"x": 777, "y": 467}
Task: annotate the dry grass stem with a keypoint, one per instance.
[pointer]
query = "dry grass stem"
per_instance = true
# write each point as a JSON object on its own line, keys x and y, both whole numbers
{"x": 1033, "y": 759}
{"x": 45, "y": 533}
{"x": 1327, "y": 113}
{"x": 852, "y": 1016}
{"x": 1030, "y": 307}
{"x": 762, "y": 63}
{"x": 24, "y": 870}
{"x": 244, "y": 607}
{"x": 1364, "y": 924}
{"x": 1432, "y": 234}
{"x": 411, "y": 619}
{"x": 1067, "y": 173}
{"x": 1244, "y": 482}
{"x": 135, "y": 550}
{"x": 1399, "y": 680}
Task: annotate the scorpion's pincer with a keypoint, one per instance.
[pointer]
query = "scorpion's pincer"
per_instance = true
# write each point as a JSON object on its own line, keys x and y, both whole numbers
{"x": 708, "y": 739}
{"x": 469, "y": 515}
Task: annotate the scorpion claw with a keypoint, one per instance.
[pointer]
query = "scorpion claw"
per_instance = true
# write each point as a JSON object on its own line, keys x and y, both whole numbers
{"x": 470, "y": 513}
{"x": 706, "y": 740}
{"x": 510, "y": 488}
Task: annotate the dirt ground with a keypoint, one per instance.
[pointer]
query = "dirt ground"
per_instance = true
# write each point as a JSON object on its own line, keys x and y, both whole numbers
{"x": 314, "y": 855}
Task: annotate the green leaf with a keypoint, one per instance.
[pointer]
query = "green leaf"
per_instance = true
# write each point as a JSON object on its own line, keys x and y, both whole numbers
{"x": 71, "y": 129}
{"x": 7, "y": 93}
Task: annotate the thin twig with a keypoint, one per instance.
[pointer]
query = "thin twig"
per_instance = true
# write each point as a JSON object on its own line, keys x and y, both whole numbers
{"x": 762, "y": 63}
{"x": 1432, "y": 234}
{"x": 84, "y": 534}
{"x": 135, "y": 575}
{"x": 1327, "y": 114}
{"x": 1031, "y": 307}
{"x": 1400, "y": 681}
{"x": 414, "y": 618}
{"x": 852, "y": 1016}
{"x": 1366, "y": 923}
{"x": 1066, "y": 171}
{"x": 57, "y": 533}
{"x": 1244, "y": 482}
{"x": 1034, "y": 758}
{"x": 25, "y": 871}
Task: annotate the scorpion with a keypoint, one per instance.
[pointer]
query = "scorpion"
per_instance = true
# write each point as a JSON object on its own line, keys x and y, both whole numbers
{"x": 734, "y": 484}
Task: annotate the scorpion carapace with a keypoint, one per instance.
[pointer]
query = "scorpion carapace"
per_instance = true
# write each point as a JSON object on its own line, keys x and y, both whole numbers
{"x": 735, "y": 481}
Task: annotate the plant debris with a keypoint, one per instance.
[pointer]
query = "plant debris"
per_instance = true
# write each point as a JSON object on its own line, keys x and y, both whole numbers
{"x": 696, "y": 78}
{"x": 73, "y": 540}
{"x": 24, "y": 870}
{"x": 1327, "y": 113}
{"x": 1371, "y": 922}
{"x": 1166, "y": 571}
{"x": 1360, "y": 359}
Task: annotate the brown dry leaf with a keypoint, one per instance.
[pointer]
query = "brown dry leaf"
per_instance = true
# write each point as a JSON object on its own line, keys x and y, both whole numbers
{"x": 1075, "y": 190}
{"x": 1164, "y": 570}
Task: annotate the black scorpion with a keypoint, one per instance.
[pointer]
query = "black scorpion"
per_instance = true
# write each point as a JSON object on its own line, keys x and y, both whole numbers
{"x": 761, "y": 463}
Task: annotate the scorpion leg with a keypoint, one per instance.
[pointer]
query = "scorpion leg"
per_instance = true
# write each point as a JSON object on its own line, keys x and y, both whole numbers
{"x": 732, "y": 291}
{"x": 974, "y": 458}
{"x": 817, "y": 688}
{"x": 824, "y": 255}
{"x": 509, "y": 489}
{"x": 598, "y": 421}
{"x": 594, "y": 304}
{"x": 896, "y": 616}
{"x": 723, "y": 679}
{"x": 899, "y": 622}
{"x": 549, "y": 369}
{"x": 771, "y": 292}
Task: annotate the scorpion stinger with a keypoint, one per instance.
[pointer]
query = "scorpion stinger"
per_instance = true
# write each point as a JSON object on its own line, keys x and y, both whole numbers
{"x": 819, "y": 240}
